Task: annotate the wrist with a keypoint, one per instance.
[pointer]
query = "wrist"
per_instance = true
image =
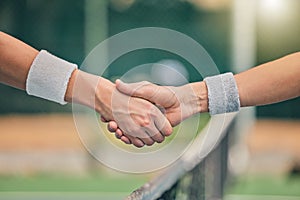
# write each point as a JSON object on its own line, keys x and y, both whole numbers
{"x": 201, "y": 93}
{"x": 69, "y": 91}
{"x": 103, "y": 98}
{"x": 92, "y": 91}
{"x": 81, "y": 88}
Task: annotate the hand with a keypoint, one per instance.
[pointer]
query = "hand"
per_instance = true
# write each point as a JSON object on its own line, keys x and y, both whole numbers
{"x": 141, "y": 121}
{"x": 179, "y": 103}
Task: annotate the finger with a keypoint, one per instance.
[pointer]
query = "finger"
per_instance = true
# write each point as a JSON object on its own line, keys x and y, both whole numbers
{"x": 112, "y": 126}
{"x": 125, "y": 139}
{"x": 162, "y": 124}
{"x": 138, "y": 142}
{"x": 135, "y": 141}
{"x": 144, "y": 89}
{"x": 156, "y": 136}
{"x": 139, "y": 139}
{"x": 163, "y": 96}
{"x": 127, "y": 88}
{"x": 119, "y": 132}
{"x": 118, "y": 136}
{"x": 103, "y": 119}
{"x": 147, "y": 140}
{"x": 141, "y": 134}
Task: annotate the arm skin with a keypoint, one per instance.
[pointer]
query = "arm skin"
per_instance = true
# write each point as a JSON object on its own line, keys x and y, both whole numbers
{"x": 15, "y": 60}
{"x": 271, "y": 82}
{"x": 268, "y": 83}
{"x": 138, "y": 116}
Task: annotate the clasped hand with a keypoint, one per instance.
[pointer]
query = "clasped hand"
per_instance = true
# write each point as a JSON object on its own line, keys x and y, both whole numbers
{"x": 144, "y": 113}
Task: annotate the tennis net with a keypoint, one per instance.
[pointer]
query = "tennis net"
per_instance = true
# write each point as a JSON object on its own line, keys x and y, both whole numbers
{"x": 199, "y": 174}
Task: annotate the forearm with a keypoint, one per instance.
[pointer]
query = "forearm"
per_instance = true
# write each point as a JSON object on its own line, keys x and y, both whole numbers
{"x": 44, "y": 75}
{"x": 271, "y": 82}
{"x": 16, "y": 58}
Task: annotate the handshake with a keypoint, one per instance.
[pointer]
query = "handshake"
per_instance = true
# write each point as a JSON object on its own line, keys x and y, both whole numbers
{"x": 139, "y": 113}
{"x": 144, "y": 113}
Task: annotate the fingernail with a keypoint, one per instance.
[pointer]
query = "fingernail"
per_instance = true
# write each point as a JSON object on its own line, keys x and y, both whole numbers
{"x": 118, "y": 80}
{"x": 127, "y": 142}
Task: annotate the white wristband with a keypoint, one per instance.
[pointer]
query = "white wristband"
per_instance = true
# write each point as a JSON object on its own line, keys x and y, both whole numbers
{"x": 223, "y": 95}
{"x": 48, "y": 77}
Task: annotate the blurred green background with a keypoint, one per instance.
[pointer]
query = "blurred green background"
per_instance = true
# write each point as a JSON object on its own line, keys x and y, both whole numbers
{"x": 70, "y": 30}
{"x": 60, "y": 27}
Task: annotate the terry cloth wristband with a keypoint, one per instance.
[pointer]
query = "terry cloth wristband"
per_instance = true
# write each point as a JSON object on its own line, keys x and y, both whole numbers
{"x": 223, "y": 95}
{"x": 48, "y": 77}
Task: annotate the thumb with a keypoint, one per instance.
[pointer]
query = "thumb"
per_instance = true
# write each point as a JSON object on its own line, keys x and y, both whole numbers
{"x": 142, "y": 89}
{"x": 126, "y": 88}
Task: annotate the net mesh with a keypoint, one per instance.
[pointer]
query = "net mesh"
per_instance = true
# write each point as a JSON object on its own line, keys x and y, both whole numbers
{"x": 197, "y": 184}
{"x": 202, "y": 180}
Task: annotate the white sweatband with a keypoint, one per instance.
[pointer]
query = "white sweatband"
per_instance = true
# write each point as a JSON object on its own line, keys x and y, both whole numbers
{"x": 48, "y": 77}
{"x": 223, "y": 95}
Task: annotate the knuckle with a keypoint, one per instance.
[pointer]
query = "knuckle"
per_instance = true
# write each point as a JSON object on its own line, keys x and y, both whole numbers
{"x": 144, "y": 119}
{"x": 145, "y": 122}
